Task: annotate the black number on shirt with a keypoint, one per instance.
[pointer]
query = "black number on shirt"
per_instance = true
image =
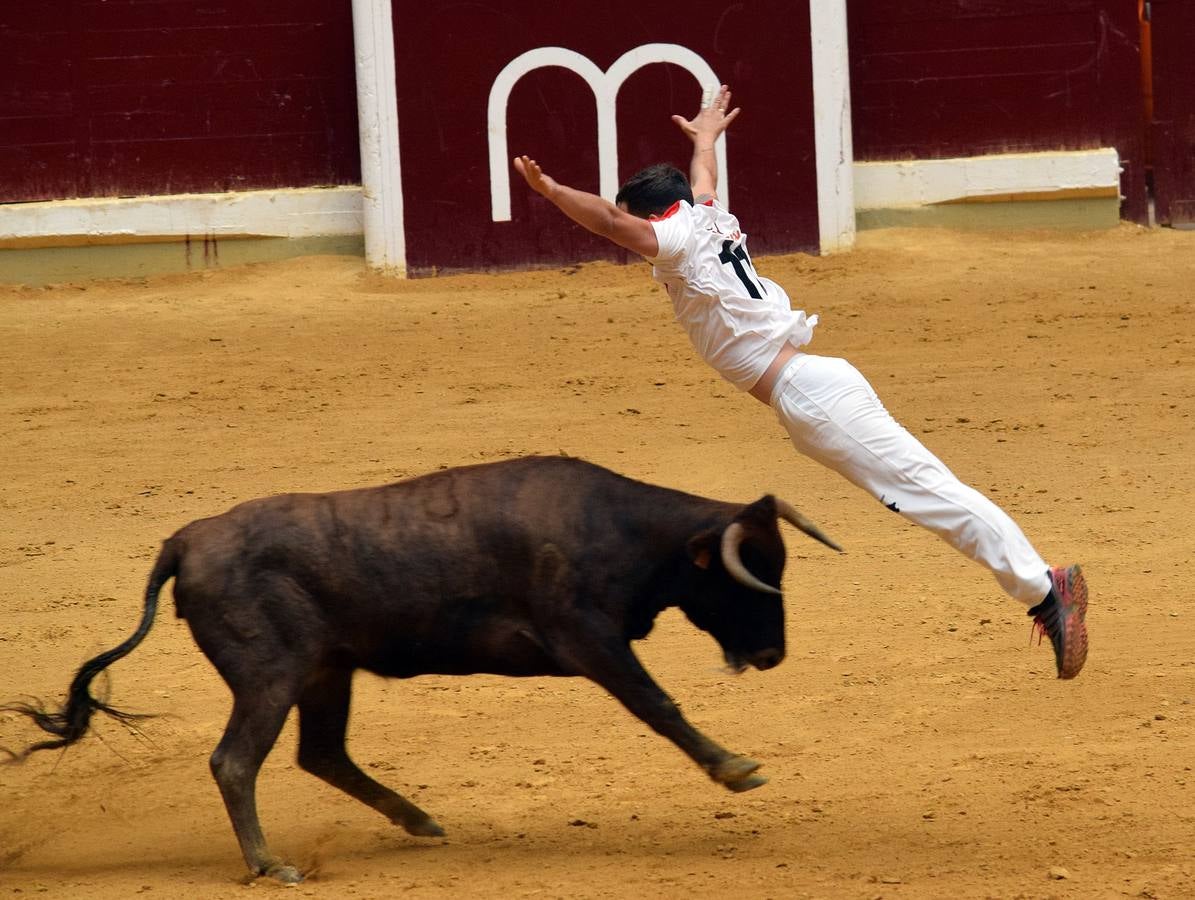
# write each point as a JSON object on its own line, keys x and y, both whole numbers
{"x": 738, "y": 258}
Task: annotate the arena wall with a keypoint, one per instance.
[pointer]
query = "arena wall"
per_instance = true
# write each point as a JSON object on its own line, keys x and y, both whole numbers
{"x": 190, "y": 109}
{"x": 592, "y": 104}
{"x": 959, "y": 79}
{"x": 127, "y": 97}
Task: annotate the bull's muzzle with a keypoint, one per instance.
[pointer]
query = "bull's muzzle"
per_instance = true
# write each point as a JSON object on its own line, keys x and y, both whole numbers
{"x": 767, "y": 659}
{"x": 761, "y": 659}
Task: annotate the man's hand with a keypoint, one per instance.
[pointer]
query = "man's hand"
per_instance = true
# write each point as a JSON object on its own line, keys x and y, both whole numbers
{"x": 710, "y": 120}
{"x": 536, "y": 179}
{"x": 703, "y": 130}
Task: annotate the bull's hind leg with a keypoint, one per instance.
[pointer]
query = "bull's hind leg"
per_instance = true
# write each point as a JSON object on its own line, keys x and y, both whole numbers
{"x": 323, "y": 721}
{"x": 257, "y": 718}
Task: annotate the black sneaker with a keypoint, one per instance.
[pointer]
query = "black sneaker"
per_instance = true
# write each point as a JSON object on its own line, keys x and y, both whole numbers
{"x": 1062, "y": 616}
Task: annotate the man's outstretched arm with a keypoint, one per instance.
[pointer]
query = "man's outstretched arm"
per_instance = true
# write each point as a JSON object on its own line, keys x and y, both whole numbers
{"x": 591, "y": 211}
{"x": 703, "y": 129}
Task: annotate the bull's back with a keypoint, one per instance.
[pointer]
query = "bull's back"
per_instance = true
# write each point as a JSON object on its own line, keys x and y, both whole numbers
{"x": 431, "y": 574}
{"x": 445, "y": 571}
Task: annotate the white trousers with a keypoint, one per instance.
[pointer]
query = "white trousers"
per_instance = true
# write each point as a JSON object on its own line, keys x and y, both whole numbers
{"x": 834, "y": 417}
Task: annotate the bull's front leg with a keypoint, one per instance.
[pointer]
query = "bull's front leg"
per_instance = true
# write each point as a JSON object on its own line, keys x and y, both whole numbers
{"x": 609, "y": 661}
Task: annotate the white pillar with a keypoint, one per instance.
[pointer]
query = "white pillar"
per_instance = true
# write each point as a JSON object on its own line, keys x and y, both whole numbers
{"x": 832, "y": 125}
{"x": 377, "y": 117}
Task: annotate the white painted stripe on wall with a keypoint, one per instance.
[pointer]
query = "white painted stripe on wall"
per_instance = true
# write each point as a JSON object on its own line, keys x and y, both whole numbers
{"x": 293, "y": 212}
{"x": 910, "y": 183}
{"x": 377, "y": 120}
{"x": 309, "y": 212}
{"x": 832, "y": 125}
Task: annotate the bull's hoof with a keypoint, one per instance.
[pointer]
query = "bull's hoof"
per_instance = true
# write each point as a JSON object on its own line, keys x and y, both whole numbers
{"x": 737, "y": 774}
{"x": 427, "y": 827}
{"x": 284, "y": 873}
{"x": 746, "y": 784}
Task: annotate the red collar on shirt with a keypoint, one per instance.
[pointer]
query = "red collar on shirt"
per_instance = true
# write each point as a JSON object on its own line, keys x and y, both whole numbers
{"x": 673, "y": 209}
{"x": 666, "y": 213}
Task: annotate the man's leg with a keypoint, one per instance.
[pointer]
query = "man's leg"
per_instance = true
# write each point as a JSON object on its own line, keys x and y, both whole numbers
{"x": 833, "y": 416}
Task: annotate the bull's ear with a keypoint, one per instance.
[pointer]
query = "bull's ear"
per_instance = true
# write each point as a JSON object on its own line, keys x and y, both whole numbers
{"x": 702, "y": 547}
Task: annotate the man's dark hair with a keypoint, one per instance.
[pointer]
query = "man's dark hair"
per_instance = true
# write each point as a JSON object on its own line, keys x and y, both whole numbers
{"x": 651, "y": 191}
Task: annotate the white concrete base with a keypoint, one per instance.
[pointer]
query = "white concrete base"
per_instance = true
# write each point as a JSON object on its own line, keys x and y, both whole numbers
{"x": 1014, "y": 176}
{"x": 291, "y": 213}
{"x": 314, "y": 212}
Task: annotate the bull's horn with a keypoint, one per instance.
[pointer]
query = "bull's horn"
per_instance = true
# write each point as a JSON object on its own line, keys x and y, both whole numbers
{"x": 732, "y": 538}
{"x": 789, "y": 514}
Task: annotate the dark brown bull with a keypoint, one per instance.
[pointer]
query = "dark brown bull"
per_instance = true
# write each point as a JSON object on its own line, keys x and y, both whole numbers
{"x": 536, "y": 566}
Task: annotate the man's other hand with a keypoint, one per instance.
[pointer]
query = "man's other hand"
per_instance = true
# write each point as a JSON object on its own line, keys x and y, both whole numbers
{"x": 710, "y": 120}
{"x": 534, "y": 175}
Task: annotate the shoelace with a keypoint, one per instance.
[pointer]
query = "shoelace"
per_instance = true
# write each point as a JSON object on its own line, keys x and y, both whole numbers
{"x": 1038, "y": 628}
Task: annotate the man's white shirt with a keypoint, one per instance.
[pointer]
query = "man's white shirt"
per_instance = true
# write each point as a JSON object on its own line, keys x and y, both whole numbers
{"x": 736, "y": 320}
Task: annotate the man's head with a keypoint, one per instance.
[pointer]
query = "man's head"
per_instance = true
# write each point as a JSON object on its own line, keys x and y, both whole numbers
{"x": 651, "y": 191}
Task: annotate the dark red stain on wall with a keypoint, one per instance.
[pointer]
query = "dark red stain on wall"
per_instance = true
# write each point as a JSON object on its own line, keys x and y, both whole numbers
{"x": 448, "y": 55}
{"x": 125, "y": 97}
{"x": 932, "y": 79}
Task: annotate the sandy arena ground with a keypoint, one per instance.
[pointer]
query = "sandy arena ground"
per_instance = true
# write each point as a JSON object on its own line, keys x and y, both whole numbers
{"x": 917, "y": 745}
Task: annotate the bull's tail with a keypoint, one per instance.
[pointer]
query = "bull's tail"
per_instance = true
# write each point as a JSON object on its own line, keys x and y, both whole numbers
{"x": 72, "y": 721}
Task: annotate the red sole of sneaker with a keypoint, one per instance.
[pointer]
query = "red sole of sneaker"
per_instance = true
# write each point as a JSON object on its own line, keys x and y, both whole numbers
{"x": 1076, "y": 628}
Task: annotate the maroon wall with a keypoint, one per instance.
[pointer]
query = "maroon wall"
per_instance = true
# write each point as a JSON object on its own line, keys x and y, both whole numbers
{"x": 448, "y": 55}
{"x": 1173, "y": 126}
{"x": 942, "y": 78}
{"x": 120, "y": 97}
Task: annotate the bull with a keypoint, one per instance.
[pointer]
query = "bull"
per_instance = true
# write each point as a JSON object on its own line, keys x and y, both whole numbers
{"x": 533, "y": 566}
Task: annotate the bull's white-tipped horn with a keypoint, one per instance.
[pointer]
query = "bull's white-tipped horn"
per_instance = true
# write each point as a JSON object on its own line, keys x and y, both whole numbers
{"x": 732, "y": 539}
{"x": 789, "y": 514}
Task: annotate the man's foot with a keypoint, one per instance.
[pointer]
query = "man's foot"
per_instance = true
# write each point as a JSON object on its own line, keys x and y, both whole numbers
{"x": 1062, "y": 615}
